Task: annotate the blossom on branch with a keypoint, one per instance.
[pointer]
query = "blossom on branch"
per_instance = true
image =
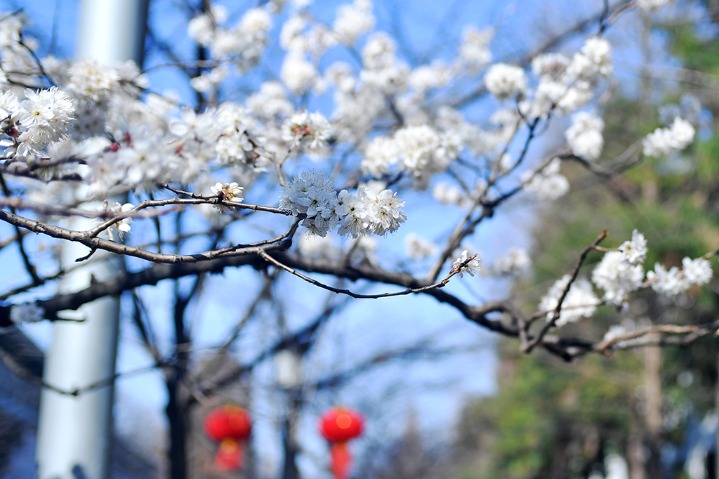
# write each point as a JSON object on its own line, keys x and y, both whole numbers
{"x": 312, "y": 195}
{"x": 580, "y": 301}
{"x": 548, "y": 183}
{"x": 352, "y": 21}
{"x": 617, "y": 276}
{"x": 231, "y": 192}
{"x": 594, "y": 60}
{"x": 42, "y": 118}
{"x": 466, "y": 263}
{"x": 585, "y": 135}
{"x": 505, "y": 81}
{"x": 664, "y": 141}
{"x": 369, "y": 211}
{"x": 312, "y": 129}
{"x": 635, "y": 250}
{"x": 675, "y": 281}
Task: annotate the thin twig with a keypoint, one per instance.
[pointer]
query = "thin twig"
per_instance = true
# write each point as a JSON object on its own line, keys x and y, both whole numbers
{"x": 310, "y": 280}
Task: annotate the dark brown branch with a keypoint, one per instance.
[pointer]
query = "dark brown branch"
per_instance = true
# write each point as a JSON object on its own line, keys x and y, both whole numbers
{"x": 94, "y": 243}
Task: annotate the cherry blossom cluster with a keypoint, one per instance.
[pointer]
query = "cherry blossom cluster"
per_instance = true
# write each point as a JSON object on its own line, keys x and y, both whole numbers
{"x": 548, "y": 183}
{"x": 580, "y": 301}
{"x": 418, "y": 150}
{"x": 584, "y": 136}
{"x": 242, "y": 44}
{"x": 562, "y": 83}
{"x": 664, "y": 141}
{"x": 618, "y": 274}
{"x": 31, "y": 124}
{"x": 369, "y": 210}
{"x": 311, "y": 129}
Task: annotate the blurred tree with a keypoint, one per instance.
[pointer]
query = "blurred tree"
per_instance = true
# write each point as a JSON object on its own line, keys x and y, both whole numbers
{"x": 550, "y": 420}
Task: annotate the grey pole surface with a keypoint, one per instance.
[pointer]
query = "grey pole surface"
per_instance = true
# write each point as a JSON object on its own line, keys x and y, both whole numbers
{"x": 74, "y": 435}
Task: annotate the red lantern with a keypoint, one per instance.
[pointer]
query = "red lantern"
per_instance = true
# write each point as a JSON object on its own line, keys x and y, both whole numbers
{"x": 339, "y": 425}
{"x": 231, "y": 426}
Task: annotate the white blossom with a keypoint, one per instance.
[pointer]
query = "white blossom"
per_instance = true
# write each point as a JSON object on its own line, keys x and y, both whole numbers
{"x": 676, "y": 280}
{"x": 474, "y": 49}
{"x": 697, "y": 271}
{"x": 124, "y": 225}
{"x": 43, "y": 118}
{"x": 635, "y": 250}
{"x": 367, "y": 211}
{"x": 270, "y": 101}
{"x": 585, "y": 135}
{"x": 669, "y": 282}
{"x": 118, "y": 230}
{"x": 353, "y": 20}
{"x": 312, "y": 129}
{"x": 420, "y": 150}
{"x": 380, "y": 154}
{"x": 92, "y": 80}
{"x": 210, "y": 79}
{"x": 297, "y": 73}
{"x": 145, "y": 160}
{"x": 664, "y": 141}
{"x": 201, "y": 28}
{"x": 90, "y": 118}
{"x": 580, "y": 301}
{"x": 617, "y": 277}
{"x": 311, "y": 194}
{"x": 9, "y": 106}
{"x": 505, "y": 81}
{"x": 548, "y": 184}
{"x": 255, "y": 23}
{"x": 467, "y": 263}
{"x": 359, "y": 214}
{"x": 423, "y": 151}
{"x": 11, "y": 29}
{"x": 427, "y": 77}
{"x": 575, "y": 96}
{"x": 379, "y": 51}
{"x": 594, "y": 60}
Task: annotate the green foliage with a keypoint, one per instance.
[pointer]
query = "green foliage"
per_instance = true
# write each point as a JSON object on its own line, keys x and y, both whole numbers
{"x": 696, "y": 53}
{"x": 545, "y": 403}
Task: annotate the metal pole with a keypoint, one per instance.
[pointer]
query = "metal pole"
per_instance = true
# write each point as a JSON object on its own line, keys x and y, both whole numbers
{"x": 74, "y": 435}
